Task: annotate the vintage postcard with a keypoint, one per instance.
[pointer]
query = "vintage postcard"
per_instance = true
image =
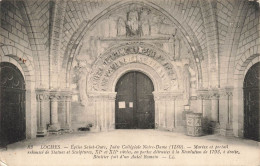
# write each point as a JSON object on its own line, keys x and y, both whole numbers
{"x": 130, "y": 82}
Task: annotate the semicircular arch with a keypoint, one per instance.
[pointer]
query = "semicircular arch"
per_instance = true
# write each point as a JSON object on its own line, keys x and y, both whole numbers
{"x": 188, "y": 35}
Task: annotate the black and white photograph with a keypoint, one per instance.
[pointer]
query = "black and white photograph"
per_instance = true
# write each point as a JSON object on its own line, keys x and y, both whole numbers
{"x": 130, "y": 83}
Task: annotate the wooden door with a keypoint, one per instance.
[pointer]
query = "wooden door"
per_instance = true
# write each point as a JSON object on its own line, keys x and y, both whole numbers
{"x": 134, "y": 102}
{"x": 251, "y": 103}
{"x": 12, "y": 104}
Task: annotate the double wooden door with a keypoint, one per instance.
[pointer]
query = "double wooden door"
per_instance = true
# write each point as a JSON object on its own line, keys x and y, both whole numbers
{"x": 134, "y": 102}
{"x": 252, "y": 103}
{"x": 12, "y": 104}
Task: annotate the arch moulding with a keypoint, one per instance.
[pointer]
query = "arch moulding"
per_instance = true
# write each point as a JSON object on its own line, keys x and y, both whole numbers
{"x": 23, "y": 62}
{"x": 238, "y": 104}
{"x": 100, "y": 89}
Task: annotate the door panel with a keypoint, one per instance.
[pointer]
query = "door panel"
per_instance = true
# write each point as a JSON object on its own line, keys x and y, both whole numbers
{"x": 125, "y": 94}
{"x": 135, "y": 90}
{"x": 251, "y": 103}
{"x": 12, "y": 113}
{"x": 145, "y": 102}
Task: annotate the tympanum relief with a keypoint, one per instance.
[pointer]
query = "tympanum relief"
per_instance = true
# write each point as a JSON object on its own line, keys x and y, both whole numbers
{"x": 134, "y": 34}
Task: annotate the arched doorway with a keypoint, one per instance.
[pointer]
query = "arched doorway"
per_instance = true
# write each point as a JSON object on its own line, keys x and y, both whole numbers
{"x": 252, "y": 103}
{"x": 12, "y": 104}
{"x": 134, "y": 102}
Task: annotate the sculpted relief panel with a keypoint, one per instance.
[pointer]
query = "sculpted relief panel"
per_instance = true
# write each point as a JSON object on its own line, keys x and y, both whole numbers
{"x": 142, "y": 36}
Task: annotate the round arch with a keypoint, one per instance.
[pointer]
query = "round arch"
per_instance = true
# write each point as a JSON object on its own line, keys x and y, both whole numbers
{"x": 13, "y": 121}
{"x": 14, "y": 56}
{"x": 238, "y": 105}
{"x": 151, "y": 73}
{"x": 187, "y": 33}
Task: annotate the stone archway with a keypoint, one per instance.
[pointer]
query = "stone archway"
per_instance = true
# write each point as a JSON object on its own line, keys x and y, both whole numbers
{"x": 75, "y": 44}
{"x": 22, "y": 61}
{"x": 101, "y": 82}
{"x": 238, "y": 95}
{"x": 251, "y": 93}
{"x": 12, "y": 112}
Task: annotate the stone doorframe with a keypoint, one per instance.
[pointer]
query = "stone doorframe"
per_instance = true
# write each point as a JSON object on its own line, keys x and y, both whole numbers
{"x": 242, "y": 67}
{"x": 24, "y": 63}
{"x": 101, "y": 90}
{"x": 168, "y": 105}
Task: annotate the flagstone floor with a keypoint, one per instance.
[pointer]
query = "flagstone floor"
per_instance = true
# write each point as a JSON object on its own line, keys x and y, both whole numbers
{"x": 131, "y": 147}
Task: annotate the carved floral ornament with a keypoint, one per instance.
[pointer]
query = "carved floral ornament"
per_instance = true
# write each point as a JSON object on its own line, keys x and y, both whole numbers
{"x": 97, "y": 96}
{"x": 167, "y": 96}
{"x": 43, "y": 95}
{"x": 215, "y": 94}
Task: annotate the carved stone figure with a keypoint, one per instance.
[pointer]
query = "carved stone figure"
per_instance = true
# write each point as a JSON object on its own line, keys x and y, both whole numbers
{"x": 186, "y": 83}
{"x": 83, "y": 70}
{"x": 112, "y": 27}
{"x": 145, "y": 23}
{"x": 133, "y": 25}
{"x": 121, "y": 27}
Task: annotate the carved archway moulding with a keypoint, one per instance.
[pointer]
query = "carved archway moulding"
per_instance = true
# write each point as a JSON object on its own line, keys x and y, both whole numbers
{"x": 110, "y": 66}
{"x": 238, "y": 95}
{"x": 139, "y": 55}
{"x": 189, "y": 38}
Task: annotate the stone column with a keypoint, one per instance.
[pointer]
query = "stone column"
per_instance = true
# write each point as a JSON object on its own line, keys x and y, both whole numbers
{"x": 54, "y": 124}
{"x": 203, "y": 102}
{"x": 225, "y": 112}
{"x": 41, "y": 126}
{"x": 215, "y": 107}
{"x": 104, "y": 110}
{"x": 157, "y": 113}
{"x": 215, "y": 111}
{"x": 167, "y": 110}
{"x": 111, "y": 112}
{"x": 67, "y": 126}
{"x": 200, "y": 104}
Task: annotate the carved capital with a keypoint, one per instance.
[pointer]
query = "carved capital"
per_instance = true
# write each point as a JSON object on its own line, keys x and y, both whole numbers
{"x": 54, "y": 97}
{"x": 168, "y": 96}
{"x": 42, "y": 95}
{"x": 112, "y": 96}
{"x": 226, "y": 93}
{"x": 203, "y": 94}
{"x": 97, "y": 96}
{"x": 204, "y": 97}
{"x": 214, "y": 94}
{"x": 65, "y": 95}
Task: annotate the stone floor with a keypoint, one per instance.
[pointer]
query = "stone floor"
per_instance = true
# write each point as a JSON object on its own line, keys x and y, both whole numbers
{"x": 131, "y": 147}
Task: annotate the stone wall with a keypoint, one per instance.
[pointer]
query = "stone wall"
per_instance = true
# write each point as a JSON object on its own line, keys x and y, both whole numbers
{"x": 45, "y": 38}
